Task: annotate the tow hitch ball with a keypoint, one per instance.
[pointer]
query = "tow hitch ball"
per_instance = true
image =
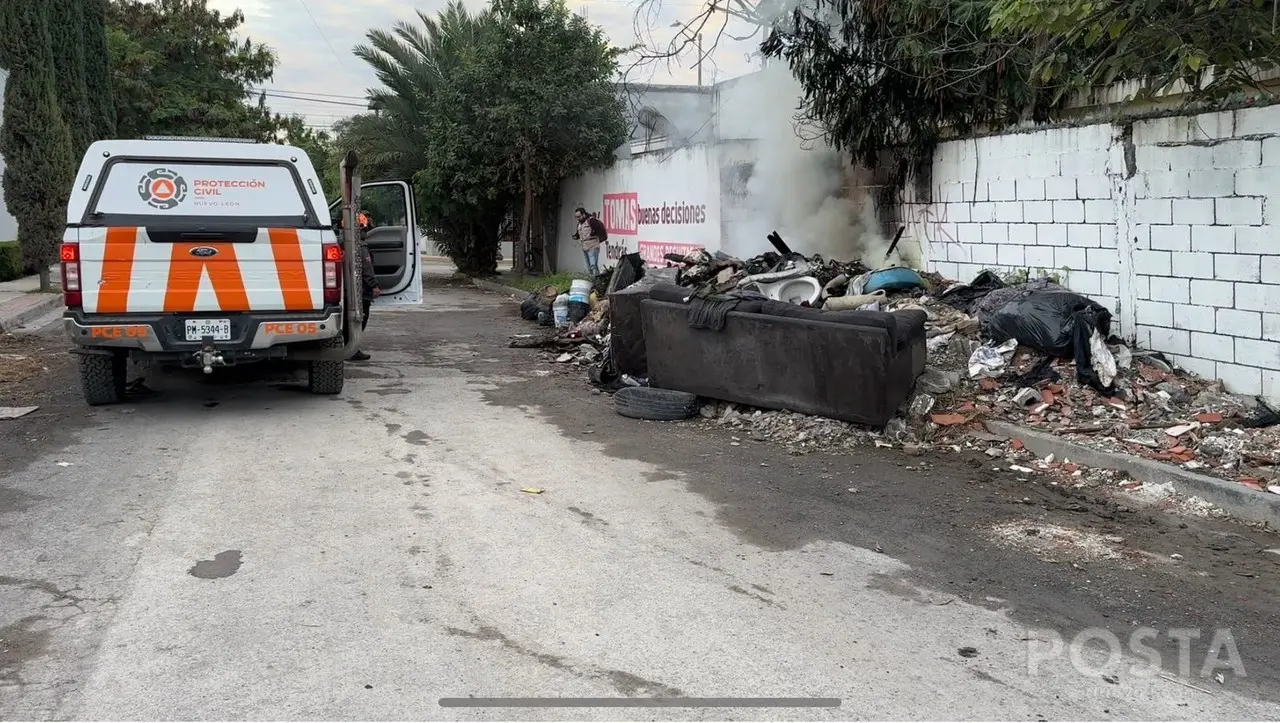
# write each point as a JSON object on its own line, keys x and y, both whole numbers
{"x": 208, "y": 357}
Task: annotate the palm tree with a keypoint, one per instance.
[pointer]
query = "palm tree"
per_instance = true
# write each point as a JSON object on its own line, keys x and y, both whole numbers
{"x": 419, "y": 67}
{"x": 411, "y": 61}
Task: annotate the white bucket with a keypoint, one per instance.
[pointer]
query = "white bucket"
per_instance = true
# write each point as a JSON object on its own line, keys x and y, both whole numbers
{"x": 580, "y": 291}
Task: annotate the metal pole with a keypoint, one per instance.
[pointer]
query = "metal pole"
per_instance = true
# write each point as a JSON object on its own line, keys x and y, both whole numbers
{"x": 699, "y": 59}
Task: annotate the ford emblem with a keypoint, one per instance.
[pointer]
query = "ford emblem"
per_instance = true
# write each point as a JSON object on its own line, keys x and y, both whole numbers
{"x": 204, "y": 252}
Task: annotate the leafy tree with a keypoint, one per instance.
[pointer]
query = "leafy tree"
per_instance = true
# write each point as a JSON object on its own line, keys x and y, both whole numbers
{"x": 488, "y": 112}
{"x": 883, "y": 79}
{"x": 179, "y": 69}
{"x": 34, "y": 139}
{"x": 1216, "y": 47}
{"x": 102, "y": 105}
{"x": 569, "y": 116}
{"x": 318, "y": 146}
{"x": 66, "y": 29}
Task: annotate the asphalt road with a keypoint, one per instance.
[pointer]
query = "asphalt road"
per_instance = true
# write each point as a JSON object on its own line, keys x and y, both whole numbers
{"x": 245, "y": 551}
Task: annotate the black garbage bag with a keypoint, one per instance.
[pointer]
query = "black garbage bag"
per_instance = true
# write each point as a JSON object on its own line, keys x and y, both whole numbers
{"x": 996, "y": 299}
{"x": 1058, "y": 323}
{"x": 604, "y": 373}
{"x": 1264, "y": 415}
{"x": 530, "y": 307}
{"x": 964, "y": 297}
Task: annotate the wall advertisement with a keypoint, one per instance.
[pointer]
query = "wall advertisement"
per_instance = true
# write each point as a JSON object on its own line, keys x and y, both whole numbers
{"x": 653, "y": 230}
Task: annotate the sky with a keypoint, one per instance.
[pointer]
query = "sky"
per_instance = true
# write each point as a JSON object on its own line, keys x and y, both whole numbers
{"x": 319, "y": 77}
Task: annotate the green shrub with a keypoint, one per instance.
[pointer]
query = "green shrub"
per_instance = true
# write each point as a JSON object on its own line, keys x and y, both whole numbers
{"x": 11, "y": 266}
{"x": 561, "y": 281}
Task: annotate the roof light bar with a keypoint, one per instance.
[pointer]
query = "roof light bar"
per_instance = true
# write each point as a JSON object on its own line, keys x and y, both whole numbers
{"x": 198, "y": 138}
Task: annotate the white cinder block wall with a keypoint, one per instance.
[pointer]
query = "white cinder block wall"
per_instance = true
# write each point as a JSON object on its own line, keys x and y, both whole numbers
{"x": 1168, "y": 222}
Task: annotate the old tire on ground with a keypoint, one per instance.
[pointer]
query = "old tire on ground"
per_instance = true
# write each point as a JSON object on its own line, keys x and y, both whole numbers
{"x": 662, "y": 405}
{"x": 327, "y": 377}
{"x": 103, "y": 378}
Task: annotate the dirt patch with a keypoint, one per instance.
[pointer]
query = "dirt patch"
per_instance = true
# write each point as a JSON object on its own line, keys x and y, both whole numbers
{"x": 22, "y": 359}
{"x": 47, "y": 381}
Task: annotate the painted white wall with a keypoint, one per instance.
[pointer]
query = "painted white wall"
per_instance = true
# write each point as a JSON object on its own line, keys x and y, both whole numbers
{"x": 739, "y": 102}
{"x": 657, "y": 184}
{"x": 1174, "y": 227}
{"x": 8, "y": 225}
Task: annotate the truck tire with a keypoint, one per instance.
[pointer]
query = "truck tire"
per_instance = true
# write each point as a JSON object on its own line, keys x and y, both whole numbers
{"x": 103, "y": 378}
{"x": 327, "y": 377}
{"x": 665, "y": 405}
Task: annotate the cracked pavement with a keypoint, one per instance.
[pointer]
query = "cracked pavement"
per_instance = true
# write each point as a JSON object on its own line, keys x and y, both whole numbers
{"x": 221, "y": 551}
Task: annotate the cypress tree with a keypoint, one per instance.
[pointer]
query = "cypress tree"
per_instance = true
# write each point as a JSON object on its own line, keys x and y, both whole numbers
{"x": 97, "y": 65}
{"x": 6, "y": 41}
{"x": 66, "y": 32}
{"x": 34, "y": 140}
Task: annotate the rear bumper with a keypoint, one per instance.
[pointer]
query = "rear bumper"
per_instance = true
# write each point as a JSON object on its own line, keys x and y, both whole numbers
{"x": 166, "y": 333}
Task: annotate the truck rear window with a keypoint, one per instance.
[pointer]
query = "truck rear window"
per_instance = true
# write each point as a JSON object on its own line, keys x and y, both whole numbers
{"x": 161, "y": 188}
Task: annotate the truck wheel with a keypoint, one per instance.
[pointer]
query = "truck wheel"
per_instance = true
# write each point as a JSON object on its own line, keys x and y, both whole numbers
{"x": 326, "y": 377}
{"x": 103, "y": 378}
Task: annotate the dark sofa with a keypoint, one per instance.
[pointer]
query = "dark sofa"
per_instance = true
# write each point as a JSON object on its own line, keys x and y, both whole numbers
{"x": 858, "y": 366}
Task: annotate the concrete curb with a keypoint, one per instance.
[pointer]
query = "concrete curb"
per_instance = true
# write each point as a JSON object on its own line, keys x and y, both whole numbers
{"x": 500, "y": 289}
{"x": 14, "y": 315}
{"x": 1238, "y": 500}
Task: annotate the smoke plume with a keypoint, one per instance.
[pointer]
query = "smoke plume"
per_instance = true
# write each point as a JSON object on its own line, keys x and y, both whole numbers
{"x": 798, "y": 188}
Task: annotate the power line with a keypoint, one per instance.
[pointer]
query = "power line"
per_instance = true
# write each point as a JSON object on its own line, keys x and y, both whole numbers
{"x": 307, "y": 92}
{"x": 283, "y": 96}
{"x": 323, "y": 37}
{"x": 319, "y": 116}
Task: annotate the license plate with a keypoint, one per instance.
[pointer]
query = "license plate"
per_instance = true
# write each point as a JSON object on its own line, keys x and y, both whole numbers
{"x": 218, "y": 329}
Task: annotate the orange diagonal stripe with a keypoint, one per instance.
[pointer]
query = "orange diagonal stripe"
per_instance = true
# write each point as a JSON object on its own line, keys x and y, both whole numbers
{"x": 290, "y": 269}
{"x": 185, "y": 271}
{"x": 117, "y": 270}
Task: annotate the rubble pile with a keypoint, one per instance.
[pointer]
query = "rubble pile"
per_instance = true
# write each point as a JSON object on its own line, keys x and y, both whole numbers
{"x": 797, "y": 432}
{"x": 1131, "y": 400}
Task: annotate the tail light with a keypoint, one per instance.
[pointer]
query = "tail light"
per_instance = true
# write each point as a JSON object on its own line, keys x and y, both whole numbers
{"x": 70, "y": 258}
{"x": 332, "y": 273}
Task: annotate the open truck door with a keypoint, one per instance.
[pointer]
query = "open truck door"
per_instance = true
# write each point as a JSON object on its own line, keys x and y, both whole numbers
{"x": 394, "y": 241}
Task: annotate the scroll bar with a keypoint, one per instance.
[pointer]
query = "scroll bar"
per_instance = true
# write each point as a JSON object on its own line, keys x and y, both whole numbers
{"x": 640, "y": 702}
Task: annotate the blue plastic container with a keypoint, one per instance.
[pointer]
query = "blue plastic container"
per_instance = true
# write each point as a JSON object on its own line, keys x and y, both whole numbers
{"x": 897, "y": 278}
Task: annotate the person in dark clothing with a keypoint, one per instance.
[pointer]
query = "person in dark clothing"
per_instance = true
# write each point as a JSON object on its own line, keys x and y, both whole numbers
{"x": 369, "y": 282}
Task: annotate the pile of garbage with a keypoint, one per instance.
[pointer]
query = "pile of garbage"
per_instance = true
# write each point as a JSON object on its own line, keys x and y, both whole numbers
{"x": 785, "y": 275}
{"x": 575, "y": 320}
{"x": 1028, "y": 351}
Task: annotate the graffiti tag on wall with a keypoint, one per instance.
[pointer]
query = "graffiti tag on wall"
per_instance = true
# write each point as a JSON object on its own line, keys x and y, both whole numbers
{"x": 927, "y": 223}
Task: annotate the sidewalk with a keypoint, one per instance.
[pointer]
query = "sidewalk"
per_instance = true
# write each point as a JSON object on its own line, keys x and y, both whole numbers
{"x": 21, "y": 302}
